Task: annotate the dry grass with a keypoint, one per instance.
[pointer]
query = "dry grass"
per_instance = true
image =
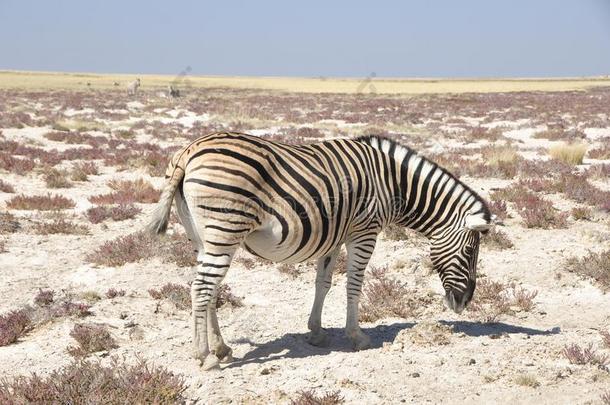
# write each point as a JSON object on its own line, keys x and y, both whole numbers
{"x": 493, "y": 299}
{"x": 288, "y": 269}
{"x": 594, "y": 265}
{"x": 62, "y": 81}
{"x": 82, "y": 171}
{"x": 395, "y": 233}
{"x": 309, "y": 397}
{"x": 605, "y": 338}
{"x": 527, "y": 380}
{"x": 84, "y": 382}
{"x": 47, "y": 202}
{"x": 581, "y": 213}
{"x": 572, "y": 154}
{"x": 91, "y": 338}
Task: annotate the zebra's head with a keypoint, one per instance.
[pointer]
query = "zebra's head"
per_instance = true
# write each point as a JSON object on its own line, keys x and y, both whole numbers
{"x": 454, "y": 254}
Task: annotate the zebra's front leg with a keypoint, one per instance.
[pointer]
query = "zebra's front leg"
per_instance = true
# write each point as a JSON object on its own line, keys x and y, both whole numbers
{"x": 359, "y": 252}
{"x": 324, "y": 274}
{"x": 211, "y": 270}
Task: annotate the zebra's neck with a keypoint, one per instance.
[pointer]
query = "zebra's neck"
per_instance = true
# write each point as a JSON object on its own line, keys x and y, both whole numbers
{"x": 422, "y": 195}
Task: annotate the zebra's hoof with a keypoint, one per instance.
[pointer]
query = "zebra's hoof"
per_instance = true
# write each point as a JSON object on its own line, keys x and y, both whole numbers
{"x": 225, "y": 355}
{"x": 211, "y": 362}
{"x": 361, "y": 341}
{"x": 319, "y": 339}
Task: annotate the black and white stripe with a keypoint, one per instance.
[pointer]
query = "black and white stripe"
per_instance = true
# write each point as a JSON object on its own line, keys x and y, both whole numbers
{"x": 289, "y": 203}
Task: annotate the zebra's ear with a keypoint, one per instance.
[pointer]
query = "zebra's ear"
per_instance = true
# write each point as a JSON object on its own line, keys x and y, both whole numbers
{"x": 477, "y": 223}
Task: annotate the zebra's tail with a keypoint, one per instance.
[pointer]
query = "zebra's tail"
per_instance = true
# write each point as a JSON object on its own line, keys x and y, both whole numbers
{"x": 174, "y": 176}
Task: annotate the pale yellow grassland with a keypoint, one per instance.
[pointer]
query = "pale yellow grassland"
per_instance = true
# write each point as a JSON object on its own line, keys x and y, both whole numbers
{"x": 49, "y": 80}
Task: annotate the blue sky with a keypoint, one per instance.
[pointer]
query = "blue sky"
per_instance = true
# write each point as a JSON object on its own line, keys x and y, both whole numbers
{"x": 433, "y": 38}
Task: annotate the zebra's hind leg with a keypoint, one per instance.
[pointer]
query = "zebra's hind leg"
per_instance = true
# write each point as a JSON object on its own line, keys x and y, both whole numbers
{"x": 213, "y": 265}
{"x": 324, "y": 274}
{"x": 359, "y": 251}
{"x": 217, "y": 345}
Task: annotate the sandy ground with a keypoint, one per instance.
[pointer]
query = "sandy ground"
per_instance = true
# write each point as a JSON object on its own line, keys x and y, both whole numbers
{"x": 478, "y": 362}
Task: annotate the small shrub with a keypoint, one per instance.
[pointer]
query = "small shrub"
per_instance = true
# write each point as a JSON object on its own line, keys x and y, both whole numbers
{"x": 569, "y": 153}
{"x": 605, "y": 397}
{"x": 581, "y": 213}
{"x": 82, "y": 171}
{"x": 383, "y": 297}
{"x": 498, "y": 208}
{"x": 127, "y": 192}
{"x": 179, "y": 295}
{"x": 603, "y": 152}
{"x": 90, "y": 296}
{"x": 493, "y": 299}
{"x": 113, "y": 293}
{"x": 57, "y": 179}
{"x": 526, "y": 380}
{"x": 13, "y": 325}
{"x": 179, "y": 250}
{"x": 60, "y": 226}
{"x": 16, "y": 165}
{"x": 311, "y": 398}
{"x": 605, "y": 338}
{"x": 536, "y": 212}
{"x": 587, "y": 355}
{"x": 8, "y": 223}
{"x": 496, "y": 239}
{"x": 85, "y": 382}
{"x": 594, "y": 265}
{"x": 124, "y": 249}
{"x": 2, "y": 246}
{"x": 121, "y": 212}
{"x": 44, "y": 298}
{"x": 40, "y": 202}
{"x": 91, "y": 338}
{"x": 289, "y": 269}
{"x": 6, "y": 187}
{"x": 226, "y": 297}
{"x": 395, "y": 233}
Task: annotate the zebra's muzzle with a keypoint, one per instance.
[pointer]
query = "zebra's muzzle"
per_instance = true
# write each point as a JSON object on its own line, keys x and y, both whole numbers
{"x": 457, "y": 301}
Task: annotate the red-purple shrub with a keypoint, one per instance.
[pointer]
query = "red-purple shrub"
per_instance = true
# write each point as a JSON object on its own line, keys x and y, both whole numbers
{"x": 605, "y": 338}
{"x": 603, "y": 152}
{"x": 60, "y": 225}
{"x": 6, "y": 187}
{"x": 44, "y": 298}
{"x": 84, "y": 382}
{"x": 179, "y": 295}
{"x": 124, "y": 249}
{"x": 498, "y": 208}
{"x": 584, "y": 355}
{"x": 113, "y": 293}
{"x": 40, "y": 202}
{"x": 593, "y": 265}
{"x": 16, "y": 165}
{"x": 493, "y": 299}
{"x": 91, "y": 338}
{"x": 496, "y": 239}
{"x": 384, "y": 297}
{"x": 13, "y": 325}
{"x": 120, "y": 212}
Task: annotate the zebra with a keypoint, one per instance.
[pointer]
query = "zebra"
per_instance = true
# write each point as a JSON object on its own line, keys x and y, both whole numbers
{"x": 172, "y": 91}
{"x": 291, "y": 203}
{"x": 132, "y": 87}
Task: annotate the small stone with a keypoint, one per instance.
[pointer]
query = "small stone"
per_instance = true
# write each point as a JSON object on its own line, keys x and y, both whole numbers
{"x": 415, "y": 375}
{"x": 471, "y": 362}
{"x": 265, "y": 371}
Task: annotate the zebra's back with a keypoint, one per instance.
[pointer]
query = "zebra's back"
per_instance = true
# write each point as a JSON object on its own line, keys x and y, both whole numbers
{"x": 293, "y": 202}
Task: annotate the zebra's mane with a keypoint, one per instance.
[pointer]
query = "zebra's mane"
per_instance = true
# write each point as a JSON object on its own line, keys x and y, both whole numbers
{"x": 387, "y": 145}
